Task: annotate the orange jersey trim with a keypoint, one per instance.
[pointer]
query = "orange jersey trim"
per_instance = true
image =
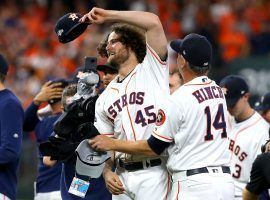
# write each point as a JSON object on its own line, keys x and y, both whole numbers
{"x": 156, "y": 56}
{"x": 115, "y": 89}
{"x": 133, "y": 130}
{"x": 243, "y": 130}
{"x": 166, "y": 138}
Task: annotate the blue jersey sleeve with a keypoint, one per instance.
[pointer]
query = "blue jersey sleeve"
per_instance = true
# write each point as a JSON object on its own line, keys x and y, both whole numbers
{"x": 11, "y": 123}
{"x": 30, "y": 118}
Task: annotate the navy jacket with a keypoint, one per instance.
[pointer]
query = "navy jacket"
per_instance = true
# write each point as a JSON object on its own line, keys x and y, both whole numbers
{"x": 11, "y": 124}
{"x": 48, "y": 178}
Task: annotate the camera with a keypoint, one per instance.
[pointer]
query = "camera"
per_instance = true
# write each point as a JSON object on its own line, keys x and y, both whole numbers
{"x": 76, "y": 123}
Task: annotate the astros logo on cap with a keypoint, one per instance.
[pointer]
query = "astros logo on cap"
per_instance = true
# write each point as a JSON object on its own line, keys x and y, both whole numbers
{"x": 73, "y": 16}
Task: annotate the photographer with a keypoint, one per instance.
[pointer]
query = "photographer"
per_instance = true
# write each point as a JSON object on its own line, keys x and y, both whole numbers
{"x": 259, "y": 183}
{"x": 47, "y": 181}
{"x": 73, "y": 126}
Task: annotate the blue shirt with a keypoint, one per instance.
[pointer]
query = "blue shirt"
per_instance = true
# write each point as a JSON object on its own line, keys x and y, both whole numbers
{"x": 11, "y": 124}
{"x": 48, "y": 178}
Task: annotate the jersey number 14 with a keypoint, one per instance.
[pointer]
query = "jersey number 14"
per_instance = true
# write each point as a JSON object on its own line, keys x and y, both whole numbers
{"x": 219, "y": 122}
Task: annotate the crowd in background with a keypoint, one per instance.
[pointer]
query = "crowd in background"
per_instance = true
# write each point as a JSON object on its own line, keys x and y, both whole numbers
{"x": 235, "y": 28}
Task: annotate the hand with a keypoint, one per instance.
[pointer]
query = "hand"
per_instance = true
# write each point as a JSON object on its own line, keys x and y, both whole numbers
{"x": 113, "y": 183}
{"x": 48, "y": 91}
{"x": 102, "y": 143}
{"x": 96, "y": 16}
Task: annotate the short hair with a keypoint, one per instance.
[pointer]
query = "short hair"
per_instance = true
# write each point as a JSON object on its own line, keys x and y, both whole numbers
{"x": 200, "y": 71}
{"x": 101, "y": 49}
{"x": 2, "y": 77}
{"x": 69, "y": 91}
{"x": 130, "y": 36}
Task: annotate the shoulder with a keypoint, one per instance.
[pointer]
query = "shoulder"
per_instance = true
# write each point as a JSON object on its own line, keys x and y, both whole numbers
{"x": 262, "y": 160}
{"x": 152, "y": 57}
{"x": 9, "y": 100}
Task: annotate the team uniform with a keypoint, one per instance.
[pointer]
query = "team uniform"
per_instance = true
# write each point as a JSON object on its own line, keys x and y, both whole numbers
{"x": 246, "y": 138}
{"x": 127, "y": 111}
{"x": 11, "y": 124}
{"x": 193, "y": 120}
{"x": 47, "y": 185}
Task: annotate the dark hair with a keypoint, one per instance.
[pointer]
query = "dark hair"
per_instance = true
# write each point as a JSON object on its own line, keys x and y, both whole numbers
{"x": 69, "y": 91}
{"x": 130, "y": 36}
{"x": 200, "y": 71}
{"x": 2, "y": 78}
{"x": 101, "y": 49}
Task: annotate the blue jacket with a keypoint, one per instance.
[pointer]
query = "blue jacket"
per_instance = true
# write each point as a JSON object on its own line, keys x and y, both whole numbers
{"x": 11, "y": 124}
{"x": 48, "y": 178}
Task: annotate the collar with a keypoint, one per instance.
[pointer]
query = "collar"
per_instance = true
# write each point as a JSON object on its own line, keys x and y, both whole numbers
{"x": 201, "y": 80}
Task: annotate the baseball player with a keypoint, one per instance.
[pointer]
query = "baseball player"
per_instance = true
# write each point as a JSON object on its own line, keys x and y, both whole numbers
{"x": 263, "y": 106}
{"x": 127, "y": 109}
{"x": 248, "y": 130}
{"x": 11, "y": 124}
{"x": 192, "y": 124}
{"x": 175, "y": 81}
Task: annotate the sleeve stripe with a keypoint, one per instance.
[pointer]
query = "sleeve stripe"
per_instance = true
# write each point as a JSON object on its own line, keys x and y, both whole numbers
{"x": 167, "y": 139}
{"x": 155, "y": 55}
{"x": 108, "y": 134}
{"x": 198, "y": 84}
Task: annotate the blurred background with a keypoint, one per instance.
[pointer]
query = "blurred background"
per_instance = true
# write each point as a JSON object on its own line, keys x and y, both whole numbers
{"x": 238, "y": 30}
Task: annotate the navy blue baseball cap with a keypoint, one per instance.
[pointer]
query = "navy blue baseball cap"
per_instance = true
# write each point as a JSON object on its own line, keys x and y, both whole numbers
{"x": 233, "y": 87}
{"x": 107, "y": 67}
{"x": 3, "y": 65}
{"x": 68, "y": 27}
{"x": 264, "y": 103}
{"x": 195, "y": 48}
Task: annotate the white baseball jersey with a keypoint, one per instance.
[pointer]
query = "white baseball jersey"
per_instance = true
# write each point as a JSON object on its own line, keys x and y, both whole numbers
{"x": 128, "y": 111}
{"x": 195, "y": 120}
{"x": 246, "y": 139}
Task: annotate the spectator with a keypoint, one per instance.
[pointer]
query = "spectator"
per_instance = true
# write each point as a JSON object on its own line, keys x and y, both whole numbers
{"x": 11, "y": 125}
{"x": 97, "y": 188}
{"x": 47, "y": 185}
{"x": 109, "y": 73}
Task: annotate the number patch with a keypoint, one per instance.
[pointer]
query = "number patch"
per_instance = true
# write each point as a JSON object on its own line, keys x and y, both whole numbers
{"x": 219, "y": 123}
{"x": 147, "y": 116}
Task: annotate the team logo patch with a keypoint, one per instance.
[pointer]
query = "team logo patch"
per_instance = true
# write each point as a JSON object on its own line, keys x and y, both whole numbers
{"x": 73, "y": 16}
{"x": 160, "y": 117}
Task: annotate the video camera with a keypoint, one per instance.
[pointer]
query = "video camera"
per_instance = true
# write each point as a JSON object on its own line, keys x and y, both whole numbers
{"x": 76, "y": 123}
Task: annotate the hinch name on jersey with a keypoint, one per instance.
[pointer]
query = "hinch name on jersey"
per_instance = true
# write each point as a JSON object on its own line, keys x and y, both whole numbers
{"x": 205, "y": 93}
{"x": 132, "y": 98}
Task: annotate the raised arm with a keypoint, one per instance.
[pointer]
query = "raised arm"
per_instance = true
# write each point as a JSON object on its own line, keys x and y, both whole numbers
{"x": 155, "y": 36}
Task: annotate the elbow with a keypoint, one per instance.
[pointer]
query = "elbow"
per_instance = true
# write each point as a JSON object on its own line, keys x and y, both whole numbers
{"x": 155, "y": 21}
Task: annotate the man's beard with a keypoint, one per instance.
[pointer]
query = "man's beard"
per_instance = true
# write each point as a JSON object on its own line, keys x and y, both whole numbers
{"x": 121, "y": 57}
